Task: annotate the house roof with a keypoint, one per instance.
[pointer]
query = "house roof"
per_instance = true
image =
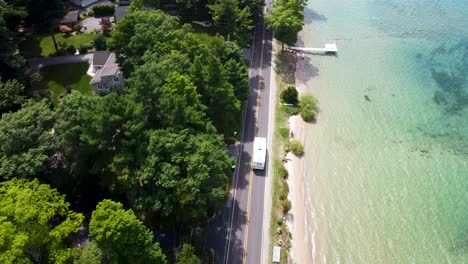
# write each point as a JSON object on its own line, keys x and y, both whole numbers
{"x": 70, "y": 17}
{"x": 100, "y": 58}
{"x": 120, "y": 12}
{"x": 109, "y": 69}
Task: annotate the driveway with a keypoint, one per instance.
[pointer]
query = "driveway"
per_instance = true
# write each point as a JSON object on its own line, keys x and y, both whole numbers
{"x": 38, "y": 63}
{"x": 91, "y": 23}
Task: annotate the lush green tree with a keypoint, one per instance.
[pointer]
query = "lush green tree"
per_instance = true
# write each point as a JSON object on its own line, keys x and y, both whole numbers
{"x": 143, "y": 32}
{"x": 170, "y": 99}
{"x": 236, "y": 67}
{"x": 88, "y": 253}
{"x": 122, "y": 237}
{"x": 97, "y": 134}
{"x": 187, "y": 255}
{"x": 286, "y": 20}
{"x": 289, "y": 95}
{"x": 11, "y": 93}
{"x": 234, "y": 23}
{"x": 142, "y": 4}
{"x": 184, "y": 177}
{"x": 255, "y": 7}
{"x": 217, "y": 93}
{"x": 26, "y": 140}
{"x": 35, "y": 223}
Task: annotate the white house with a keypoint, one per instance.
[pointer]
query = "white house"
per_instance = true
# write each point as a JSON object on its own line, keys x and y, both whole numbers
{"x": 107, "y": 75}
{"x": 84, "y": 3}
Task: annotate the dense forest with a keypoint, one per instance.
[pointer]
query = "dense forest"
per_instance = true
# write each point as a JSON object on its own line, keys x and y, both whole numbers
{"x": 117, "y": 170}
{"x": 121, "y": 166}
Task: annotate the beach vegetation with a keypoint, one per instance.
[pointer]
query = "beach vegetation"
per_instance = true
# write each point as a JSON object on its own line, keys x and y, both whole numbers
{"x": 295, "y": 146}
{"x": 280, "y": 222}
{"x": 290, "y": 95}
{"x": 283, "y": 172}
{"x": 286, "y": 206}
{"x": 308, "y": 107}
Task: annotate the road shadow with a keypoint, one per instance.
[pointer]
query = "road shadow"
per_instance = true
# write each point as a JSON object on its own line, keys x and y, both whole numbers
{"x": 311, "y": 16}
{"x": 218, "y": 233}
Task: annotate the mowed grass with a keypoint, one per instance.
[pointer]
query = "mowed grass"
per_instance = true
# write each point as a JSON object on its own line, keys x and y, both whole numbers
{"x": 41, "y": 45}
{"x": 63, "y": 76}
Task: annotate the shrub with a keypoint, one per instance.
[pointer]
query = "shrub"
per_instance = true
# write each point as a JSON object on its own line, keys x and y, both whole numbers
{"x": 285, "y": 190}
{"x": 71, "y": 49}
{"x": 85, "y": 47}
{"x": 103, "y": 10}
{"x": 289, "y": 95}
{"x": 77, "y": 27}
{"x": 286, "y": 206}
{"x": 308, "y": 107}
{"x": 295, "y": 146}
{"x": 280, "y": 222}
{"x": 291, "y": 109}
{"x": 282, "y": 197}
{"x": 100, "y": 43}
{"x": 284, "y": 133}
{"x": 282, "y": 172}
{"x": 105, "y": 25}
{"x": 90, "y": 13}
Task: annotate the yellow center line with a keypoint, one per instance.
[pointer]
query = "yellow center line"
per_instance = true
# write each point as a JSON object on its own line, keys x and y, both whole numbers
{"x": 246, "y": 231}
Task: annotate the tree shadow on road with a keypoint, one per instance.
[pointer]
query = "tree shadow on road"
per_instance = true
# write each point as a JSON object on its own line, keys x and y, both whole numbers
{"x": 219, "y": 239}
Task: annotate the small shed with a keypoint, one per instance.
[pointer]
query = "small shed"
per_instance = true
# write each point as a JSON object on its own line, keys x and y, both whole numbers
{"x": 71, "y": 18}
{"x": 276, "y": 254}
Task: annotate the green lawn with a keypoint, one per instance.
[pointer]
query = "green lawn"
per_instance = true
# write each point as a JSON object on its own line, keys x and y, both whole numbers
{"x": 41, "y": 45}
{"x": 63, "y": 76}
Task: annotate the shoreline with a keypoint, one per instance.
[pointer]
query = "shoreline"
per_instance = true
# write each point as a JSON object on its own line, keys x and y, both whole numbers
{"x": 301, "y": 245}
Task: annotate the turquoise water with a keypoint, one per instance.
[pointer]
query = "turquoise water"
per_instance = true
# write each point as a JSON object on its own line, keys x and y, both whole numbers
{"x": 386, "y": 165}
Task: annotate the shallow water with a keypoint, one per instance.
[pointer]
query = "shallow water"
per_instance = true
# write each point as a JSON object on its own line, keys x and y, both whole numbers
{"x": 387, "y": 162}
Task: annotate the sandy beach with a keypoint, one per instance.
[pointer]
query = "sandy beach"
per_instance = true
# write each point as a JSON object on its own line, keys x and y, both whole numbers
{"x": 301, "y": 247}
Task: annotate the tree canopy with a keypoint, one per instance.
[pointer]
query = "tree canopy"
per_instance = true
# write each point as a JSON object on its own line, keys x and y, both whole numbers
{"x": 286, "y": 20}
{"x": 122, "y": 237}
{"x": 143, "y": 32}
{"x": 26, "y": 141}
{"x": 11, "y": 94}
{"x": 183, "y": 178}
{"x": 187, "y": 255}
{"x": 234, "y": 22}
{"x": 35, "y": 223}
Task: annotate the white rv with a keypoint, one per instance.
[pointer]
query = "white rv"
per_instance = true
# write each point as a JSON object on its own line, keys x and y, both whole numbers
{"x": 259, "y": 153}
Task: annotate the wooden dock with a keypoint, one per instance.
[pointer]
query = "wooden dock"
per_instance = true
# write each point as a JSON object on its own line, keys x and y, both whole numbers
{"x": 330, "y": 48}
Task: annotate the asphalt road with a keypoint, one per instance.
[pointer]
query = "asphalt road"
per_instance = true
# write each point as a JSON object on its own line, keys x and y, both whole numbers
{"x": 236, "y": 234}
